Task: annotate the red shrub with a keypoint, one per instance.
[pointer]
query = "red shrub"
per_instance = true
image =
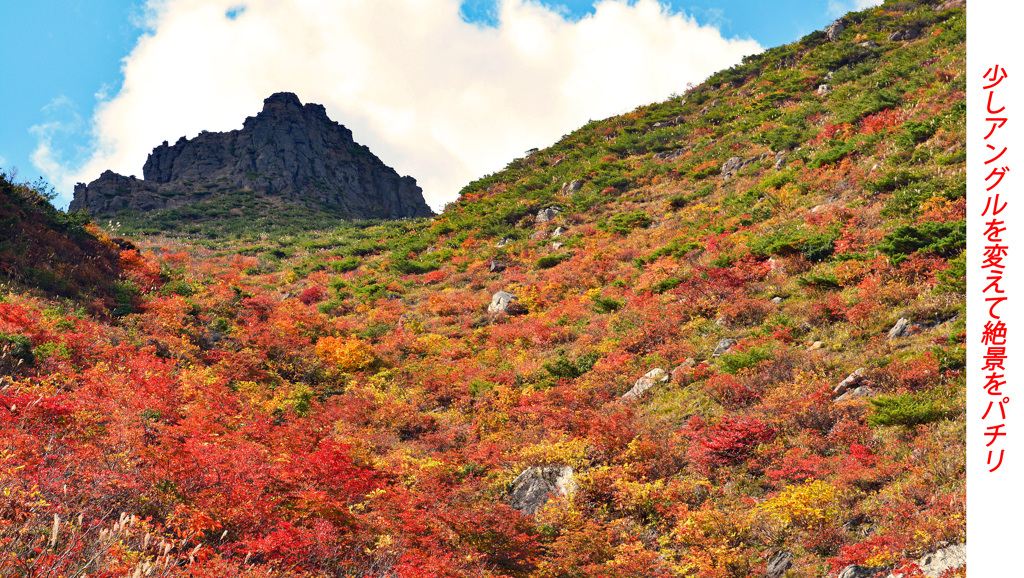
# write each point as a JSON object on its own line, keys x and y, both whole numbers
{"x": 729, "y": 441}
{"x": 313, "y": 294}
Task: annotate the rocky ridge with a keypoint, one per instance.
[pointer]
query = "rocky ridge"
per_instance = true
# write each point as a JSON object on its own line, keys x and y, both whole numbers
{"x": 289, "y": 152}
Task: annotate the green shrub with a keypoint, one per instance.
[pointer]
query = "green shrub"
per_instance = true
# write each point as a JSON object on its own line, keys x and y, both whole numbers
{"x": 549, "y": 261}
{"x": 345, "y": 265}
{"x": 906, "y": 410}
{"x": 564, "y": 368}
{"x": 944, "y": 239}
{"x": 666, "y": 284}
{"x": 15, "y": 348}
{"x": 606, "y": 304}
{"x": 733, "y": 362}
{"x": 623, "y": 223}
{"x": 407, "y": 267}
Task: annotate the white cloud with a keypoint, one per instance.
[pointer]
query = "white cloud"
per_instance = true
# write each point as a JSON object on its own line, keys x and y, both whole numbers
{"x": 63, "y": 123}
{"x": 437, "y": 98}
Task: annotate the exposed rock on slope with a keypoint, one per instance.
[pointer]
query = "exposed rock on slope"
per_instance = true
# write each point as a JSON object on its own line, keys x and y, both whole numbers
{"x": 289, "y": 151}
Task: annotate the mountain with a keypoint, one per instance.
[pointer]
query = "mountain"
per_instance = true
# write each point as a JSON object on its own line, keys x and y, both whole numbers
{"x": 288, "y": 154}
{"x": 719, "y": 336}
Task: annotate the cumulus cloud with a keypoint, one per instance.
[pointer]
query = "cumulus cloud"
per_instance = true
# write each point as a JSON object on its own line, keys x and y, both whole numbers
{"x": 63, "y": 124}
{"x": 434, "y": 96}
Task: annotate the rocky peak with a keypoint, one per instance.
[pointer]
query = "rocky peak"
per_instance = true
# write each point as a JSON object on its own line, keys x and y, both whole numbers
{"x": 290, "y": 151}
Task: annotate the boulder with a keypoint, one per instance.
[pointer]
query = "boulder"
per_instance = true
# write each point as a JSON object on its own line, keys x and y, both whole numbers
{"x": 574, "y": 186}
{"x": 556, "y": 246}
{"x": 649, "y": 380}
{"x": 723, "y": 346}
{"x": 776, "y": 300}
{"x": 779, "y": 564}
{"x": 670, "y": 155}
{"x": 497, "y": 266}
{"x": 505, "y": 302}
{"x": 851, "y": 380}
{"x": 903, "y": 35}
{"x": 546, "y": 214}
{"x": 949, "y": 4}
{"x": 558, "y": 232}
{"x": 901, "y": 329}
{"x": 856, "y": 571}
{"x": 502, "y": 243}
{"x": 532, "y": 488}
{"x": 731, "y": 167}
{"x": 952, "y": 557}
{"x": 859, "y": 393}
{"x": 832, "y": 31}
{"x": 824, "y": 89}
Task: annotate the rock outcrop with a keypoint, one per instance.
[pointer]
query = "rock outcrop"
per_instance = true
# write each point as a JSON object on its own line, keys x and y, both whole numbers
{"x": 649, "y": 380}
{"x": 532, "y": 488}
{"x": 505, "y": 302}
{"x": 289, "y": 151}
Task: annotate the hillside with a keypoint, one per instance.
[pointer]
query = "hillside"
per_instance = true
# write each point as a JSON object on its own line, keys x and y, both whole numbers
{"x": 719, "y": 336}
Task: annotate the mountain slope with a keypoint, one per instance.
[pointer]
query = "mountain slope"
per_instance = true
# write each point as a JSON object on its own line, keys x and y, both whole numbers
{"x": 730, "y": 343}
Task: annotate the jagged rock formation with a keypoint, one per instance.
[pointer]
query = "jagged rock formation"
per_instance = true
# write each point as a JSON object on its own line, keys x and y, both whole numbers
{"x": 289, "y": 151}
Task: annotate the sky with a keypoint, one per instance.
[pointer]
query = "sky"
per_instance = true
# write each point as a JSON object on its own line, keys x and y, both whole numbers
{"x": 446, "y": 91}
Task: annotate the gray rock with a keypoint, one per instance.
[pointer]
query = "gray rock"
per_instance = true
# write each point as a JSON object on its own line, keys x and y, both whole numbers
{"x": 859, "y": 393}
{"x": 868, "y": 44}
{"x": 776, "y": 300}
{"x": 505, "y": 302}
{"x": 546, "y": 214}
{"x": 497, "y": 266}
{"x": 556, "y": 245}
{"x": 558, "y": 232}
{"x": 901, "y": 329}
{"x": 574, "y": 186}
{"x": 952, "y": 557}
{"x": 824, "y": 89}
{"x": 533, "y": 487}
{"x": 649, "y": 380}
{"x": 723, "y": 346}
{"x": 851, "y": 380}
{"x": 289, "y": 152}
{"x": 731, "y": 167}
{"x": 670, "y": 155}
{"x": 779, "y": 564}
{"x": 832, "y": 31}
{"x": 855, "y": 571}
{"x": 903, "y": 35}
{"x": 502, "y": 243}
{"x": 780, "y": 161}
{"x": 949, "y": 4}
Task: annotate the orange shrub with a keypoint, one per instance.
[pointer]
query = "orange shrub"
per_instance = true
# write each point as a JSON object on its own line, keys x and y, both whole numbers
{"x": 349, "y": 354}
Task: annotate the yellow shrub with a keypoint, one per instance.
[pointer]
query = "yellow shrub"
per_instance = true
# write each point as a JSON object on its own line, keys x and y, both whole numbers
{"x": 811, "y": 504}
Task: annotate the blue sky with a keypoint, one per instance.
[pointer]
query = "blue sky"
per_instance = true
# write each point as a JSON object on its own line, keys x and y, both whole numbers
{"x": 63, "y": 58}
